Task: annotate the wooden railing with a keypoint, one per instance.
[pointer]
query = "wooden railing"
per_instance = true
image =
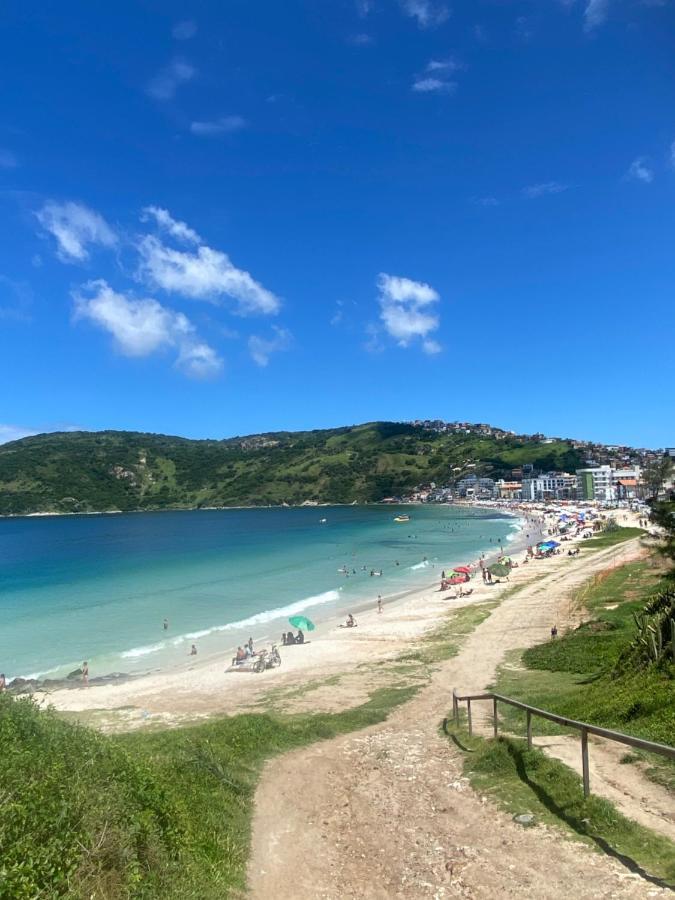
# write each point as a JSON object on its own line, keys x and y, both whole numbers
{"x": 583, "y": 727}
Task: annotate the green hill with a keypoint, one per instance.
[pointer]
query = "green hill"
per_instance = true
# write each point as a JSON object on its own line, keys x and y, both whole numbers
{"x": 119, "y": 470}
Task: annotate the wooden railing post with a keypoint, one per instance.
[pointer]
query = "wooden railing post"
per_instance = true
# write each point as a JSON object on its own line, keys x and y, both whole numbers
{"x": 495, "y": 722}
{"x": 584, "y": 762}
{"x": 468, "y": 715}
{"x": 455, "y": 707}
{"x": 529, "y": 729}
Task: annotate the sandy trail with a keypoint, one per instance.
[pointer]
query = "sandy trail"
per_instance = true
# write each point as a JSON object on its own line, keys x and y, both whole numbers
{"x": 386, "y": 813}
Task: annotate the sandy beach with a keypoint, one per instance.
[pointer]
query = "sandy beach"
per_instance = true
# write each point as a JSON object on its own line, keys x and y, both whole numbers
{"x": 202, "y": 687}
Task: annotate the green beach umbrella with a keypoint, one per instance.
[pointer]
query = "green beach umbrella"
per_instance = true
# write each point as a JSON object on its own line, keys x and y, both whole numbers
{"x": 505, "y": 560}
{"x": 499, "y": 570}
{"x": 302, "y": 622}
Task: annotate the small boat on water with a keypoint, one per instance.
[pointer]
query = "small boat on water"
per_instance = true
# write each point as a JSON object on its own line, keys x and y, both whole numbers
{"x": 403, "y": 518}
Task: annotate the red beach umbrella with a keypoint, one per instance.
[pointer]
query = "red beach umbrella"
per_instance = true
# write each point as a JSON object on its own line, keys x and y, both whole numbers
{"x": 465, "y": 570}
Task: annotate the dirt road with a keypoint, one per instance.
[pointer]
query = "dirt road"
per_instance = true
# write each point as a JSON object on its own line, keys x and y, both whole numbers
{"x": 385, "y": 812}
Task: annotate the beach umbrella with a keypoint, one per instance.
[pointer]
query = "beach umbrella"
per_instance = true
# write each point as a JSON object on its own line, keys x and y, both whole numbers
{"x": 499, "y": 570}
{"x": 464, "y": 569}
{"x": 505, "y": 560}
{"x": 302, "y": 622}
{"x": 458, "y": 579}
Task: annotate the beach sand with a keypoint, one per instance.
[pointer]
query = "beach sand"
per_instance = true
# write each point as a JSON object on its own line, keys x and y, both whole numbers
{"x": 202, "y": 687}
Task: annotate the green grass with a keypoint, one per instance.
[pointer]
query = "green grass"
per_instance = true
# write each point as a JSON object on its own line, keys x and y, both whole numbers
{"x": 574, "y": 675}
{"x": 446, "y": 640}
{"x": 527, "y": 781}
{"x": 610, "y": 538}
{"x": 163, "y": 814}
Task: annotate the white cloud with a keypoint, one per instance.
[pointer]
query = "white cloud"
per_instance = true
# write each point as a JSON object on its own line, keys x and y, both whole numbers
{"x": 541, "y": 190}
{"x": 74, "y": 226}
{"x": 433, "y": 86}
{"x": 360, "y": 40}
{"x": 444, "y": 65}
{"x": 428, "y": 13}
{"x": 183, "y": 31}
{"x": 486, "y": 201}
{"x": 595, "y": 14}
{"x": 140, "y": 327}
{"x": 7, "y": 159}
{"x": 262, "y": 348}
{"x": 205, "y": 274}
{"x": 166, "y": 222}
{"x": 199, "y": 360}
{"x": 165, "y": 83}
{"x": 14, "y": 433}
{"x": 639, "y": 171}
{"x": 216, "y": 127}
{"x": 405, "y": 311}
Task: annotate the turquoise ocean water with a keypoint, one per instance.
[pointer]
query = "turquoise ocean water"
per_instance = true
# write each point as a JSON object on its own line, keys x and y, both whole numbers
{"x": 99, "y": 587}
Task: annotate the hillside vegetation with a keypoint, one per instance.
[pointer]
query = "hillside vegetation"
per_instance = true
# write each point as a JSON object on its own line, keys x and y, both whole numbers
{"x": 118, "y": 470}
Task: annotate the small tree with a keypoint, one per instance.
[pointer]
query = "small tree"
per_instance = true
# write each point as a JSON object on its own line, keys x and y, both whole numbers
{"x": 655, "y": 475}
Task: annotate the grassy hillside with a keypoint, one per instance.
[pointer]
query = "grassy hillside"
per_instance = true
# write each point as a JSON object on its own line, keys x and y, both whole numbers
{"x": 118, "y": 470}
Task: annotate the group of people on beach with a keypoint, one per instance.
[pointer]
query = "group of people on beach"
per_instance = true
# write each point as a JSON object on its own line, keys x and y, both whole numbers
{"x": 288, "y": 638}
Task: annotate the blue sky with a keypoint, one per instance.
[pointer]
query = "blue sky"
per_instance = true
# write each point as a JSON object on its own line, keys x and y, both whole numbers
{"x": 224, "y": 218}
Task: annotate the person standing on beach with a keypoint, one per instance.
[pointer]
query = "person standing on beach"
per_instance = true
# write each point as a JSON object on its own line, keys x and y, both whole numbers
{"x": 85, "y": 673}
{"x": 379, "y": 603}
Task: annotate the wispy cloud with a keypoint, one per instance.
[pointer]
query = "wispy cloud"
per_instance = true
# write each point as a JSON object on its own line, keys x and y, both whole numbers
{"x": 16, "y": 300}
{"x": 204, "y": 274}
{"x": 360, "y": 40}
{"x": 166, "y": 222}
{"x": 7, "y": 159}
{"x": 435, "y": 79}
{"x": 167, "y": 81}
{"x": 141, "y": 327}
{"x": 364, "y": 7}
{"x": 262, "y": 348}
{"x": 639, "y": 170}
{"x": 75, "y": 226}
{"x": 445, "y": 65}
{"x": 429, "y": 85}
{"x": 427, "y": 13}
{"x": 406, "y": 311}
{"x": 14, "y": 433}
{"x": 183, "y": 31}
{"x": 595, "y": 14}
{"x": 217, "y": 127}
{"x": 486, "y": 201}
{"x": 541, "y": 190}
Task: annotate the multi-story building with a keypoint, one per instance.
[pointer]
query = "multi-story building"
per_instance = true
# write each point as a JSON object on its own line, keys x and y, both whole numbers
{"x": 509, "y": 490}
{"x": 550, "y": 486}
{"x": 475, "y": 488}
{"x": 595, "y": 483}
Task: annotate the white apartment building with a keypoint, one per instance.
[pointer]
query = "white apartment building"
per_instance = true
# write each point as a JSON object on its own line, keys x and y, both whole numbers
{"x": 550, "y": 486}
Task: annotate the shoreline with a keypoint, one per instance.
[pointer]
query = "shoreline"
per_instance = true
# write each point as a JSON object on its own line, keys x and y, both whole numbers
{"x": 171, "y": 652}
{"x": 201, "y": 686}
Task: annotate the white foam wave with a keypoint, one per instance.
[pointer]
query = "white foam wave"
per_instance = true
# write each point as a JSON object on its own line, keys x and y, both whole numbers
{"x": 143, "y": 651}
{"x": 421, "y": 565}
{"x": 269, "y": 615}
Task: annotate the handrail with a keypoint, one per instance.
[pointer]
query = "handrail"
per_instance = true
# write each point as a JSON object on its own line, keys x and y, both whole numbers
{"x": 584, "y": 727}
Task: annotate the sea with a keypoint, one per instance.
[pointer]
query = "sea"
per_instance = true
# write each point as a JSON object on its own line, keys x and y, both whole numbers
{"x": 99, "y": 587}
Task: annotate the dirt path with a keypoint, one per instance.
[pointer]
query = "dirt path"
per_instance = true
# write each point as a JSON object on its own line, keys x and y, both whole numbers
{"x": 386, "y": 813}
{"x": 624, "y": 785}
